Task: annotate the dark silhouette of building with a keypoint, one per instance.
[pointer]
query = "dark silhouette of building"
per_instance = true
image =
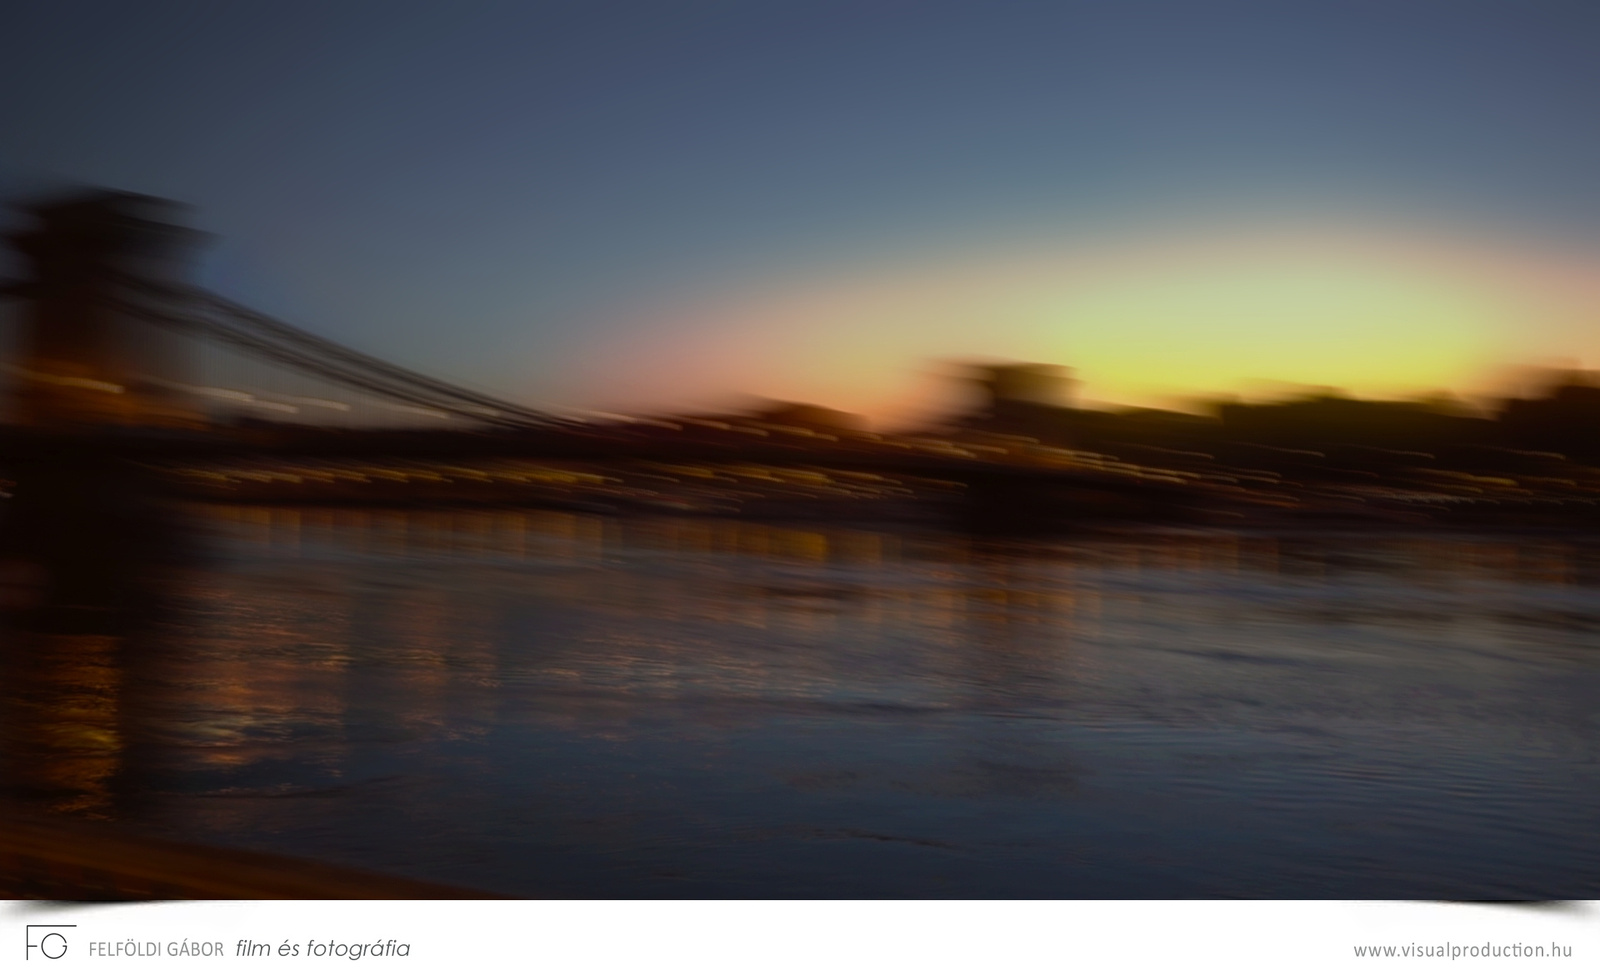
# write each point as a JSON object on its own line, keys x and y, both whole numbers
{"x": 1566, "y": 420}
{"x": 1028, "y": 400}
{"x": 1009, "y": 385}
{"x": 1331, "y": 419}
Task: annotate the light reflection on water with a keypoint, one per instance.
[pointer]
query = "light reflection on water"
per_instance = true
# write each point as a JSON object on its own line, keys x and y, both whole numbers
{"x": 557, "y": 703}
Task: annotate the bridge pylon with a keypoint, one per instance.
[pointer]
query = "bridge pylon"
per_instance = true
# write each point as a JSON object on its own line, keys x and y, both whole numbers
{"x": 83, "y": 364}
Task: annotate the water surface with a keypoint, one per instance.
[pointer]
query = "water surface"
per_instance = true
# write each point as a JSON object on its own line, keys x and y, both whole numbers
{"x": 548, "y": 703}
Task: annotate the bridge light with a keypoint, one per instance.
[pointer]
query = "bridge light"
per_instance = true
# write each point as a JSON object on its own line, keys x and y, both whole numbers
{"x": 228, "y": 393}
{"x": 68, "y": 381}
{"x": 320, "y": 403}
{"x": 413, "y": 409}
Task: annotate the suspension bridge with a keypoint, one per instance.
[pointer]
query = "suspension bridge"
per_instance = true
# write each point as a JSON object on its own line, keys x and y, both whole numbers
{"x": 116, "y": 354}
{"x": 112, "y": 337}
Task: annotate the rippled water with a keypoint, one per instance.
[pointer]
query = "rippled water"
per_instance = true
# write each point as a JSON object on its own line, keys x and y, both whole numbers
{"x": 546, "y": 703}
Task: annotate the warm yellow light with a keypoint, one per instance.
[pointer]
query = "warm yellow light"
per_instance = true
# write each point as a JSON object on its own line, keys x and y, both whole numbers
{"x": 1139, "y": 321}
{"x": 1217, "y": 325}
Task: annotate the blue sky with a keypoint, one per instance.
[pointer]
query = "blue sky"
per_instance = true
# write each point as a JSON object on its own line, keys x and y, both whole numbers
{"x": 515, "y": 194}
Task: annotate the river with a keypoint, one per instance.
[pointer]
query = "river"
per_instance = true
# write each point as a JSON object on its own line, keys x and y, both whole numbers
{"x": 544, "y": 703}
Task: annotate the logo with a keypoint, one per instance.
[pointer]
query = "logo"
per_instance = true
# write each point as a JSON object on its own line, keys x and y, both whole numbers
{"x": 47, "y": 940}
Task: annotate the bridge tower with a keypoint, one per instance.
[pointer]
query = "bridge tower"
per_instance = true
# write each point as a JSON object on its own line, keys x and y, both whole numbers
{"x": 83, "y": 363}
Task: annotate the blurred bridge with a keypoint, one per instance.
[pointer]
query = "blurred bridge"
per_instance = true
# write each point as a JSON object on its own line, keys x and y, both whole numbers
{"x": 119, "y": 357}
{"x": 113, "y": 338}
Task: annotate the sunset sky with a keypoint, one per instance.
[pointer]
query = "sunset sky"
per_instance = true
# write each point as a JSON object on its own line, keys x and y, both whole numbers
{"x": 652, "y": 205}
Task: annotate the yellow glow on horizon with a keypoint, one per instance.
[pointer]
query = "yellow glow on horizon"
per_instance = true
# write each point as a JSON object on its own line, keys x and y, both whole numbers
{"x": 1185, "y": 316}
{"x": 1217, "y": 325}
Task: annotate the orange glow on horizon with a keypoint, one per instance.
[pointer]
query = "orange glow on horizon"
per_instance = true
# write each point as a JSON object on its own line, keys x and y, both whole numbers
{"x": 1144, "y": 322}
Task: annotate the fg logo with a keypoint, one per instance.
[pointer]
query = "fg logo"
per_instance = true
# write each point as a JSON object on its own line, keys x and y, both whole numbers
{"x": 47, "y": 940}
